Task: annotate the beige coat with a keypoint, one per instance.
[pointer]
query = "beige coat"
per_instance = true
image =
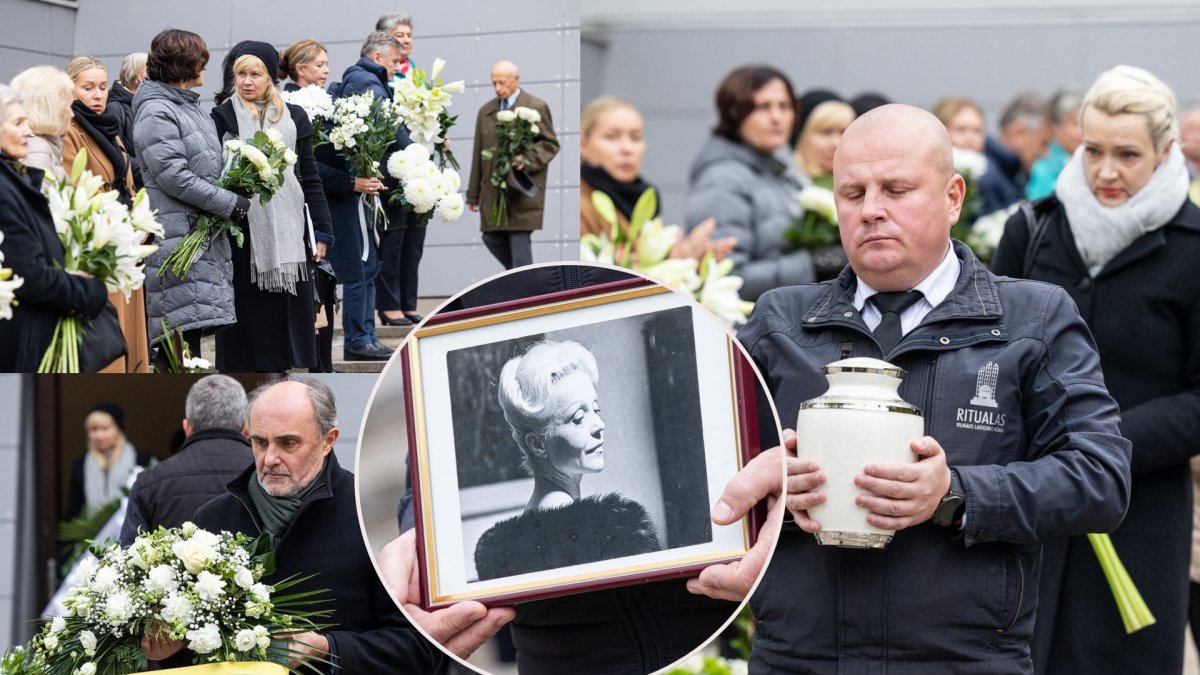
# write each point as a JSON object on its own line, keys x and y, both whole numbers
{"x": 525, "y": 213}
{"x": 131, "y": 313}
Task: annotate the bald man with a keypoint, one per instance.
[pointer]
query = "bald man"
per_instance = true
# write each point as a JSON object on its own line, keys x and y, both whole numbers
{"x": 510, "y": 242}
{"x": 1021, "y": 444}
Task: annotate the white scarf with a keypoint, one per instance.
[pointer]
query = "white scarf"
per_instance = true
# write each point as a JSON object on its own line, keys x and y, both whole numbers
{"x": 100, "y": 486}
{"x": 1101, "y": 232}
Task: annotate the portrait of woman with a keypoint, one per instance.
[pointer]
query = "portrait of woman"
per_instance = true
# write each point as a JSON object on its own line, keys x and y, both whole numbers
{"x": 549, "y": 400}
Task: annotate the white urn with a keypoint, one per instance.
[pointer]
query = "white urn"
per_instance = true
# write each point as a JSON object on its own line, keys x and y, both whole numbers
{"x": 860, "y": 420}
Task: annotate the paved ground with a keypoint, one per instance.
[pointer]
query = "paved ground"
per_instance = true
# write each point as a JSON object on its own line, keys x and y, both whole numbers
{"x": 391, "y": 336}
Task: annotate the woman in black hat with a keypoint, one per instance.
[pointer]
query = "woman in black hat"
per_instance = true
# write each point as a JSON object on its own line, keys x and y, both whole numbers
{"x": 98, "y": 477}
{"x": 272, "y": 283}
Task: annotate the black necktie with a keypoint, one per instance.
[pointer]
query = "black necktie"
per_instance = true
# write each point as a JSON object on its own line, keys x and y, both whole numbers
{"x": 504, "y": 104}
{"x": 891, "y": 305}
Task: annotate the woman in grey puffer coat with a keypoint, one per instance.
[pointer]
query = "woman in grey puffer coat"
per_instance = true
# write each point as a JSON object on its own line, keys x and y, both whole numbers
{"x": 180, "y": 154}
{"x": 738, "y": 179}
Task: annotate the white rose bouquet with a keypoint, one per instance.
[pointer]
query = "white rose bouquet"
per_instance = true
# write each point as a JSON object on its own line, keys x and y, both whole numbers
{"x": 180, "y": 584}
{"x": 424, "y": 189}
{"x": 516, "y": 131}
{"x": 818, "y": 225}
{"x": 102, "y": 237}
{"x": 252, "y": 167}
{"x": 9, "y": 283}
{"x": 646, "y": 245}
{"x": 422, "y": 101}
{"x": 316, "y": 102}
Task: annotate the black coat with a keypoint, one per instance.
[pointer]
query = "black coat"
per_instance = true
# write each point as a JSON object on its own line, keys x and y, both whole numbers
{"x": 274, "y": 331}
{"x": 370, "y": 635}
{"x": 76, "y": 497}
{"x": 1144, "y": 310}
{"x": 169, "y": 492}
{"x": 32, "y": 249}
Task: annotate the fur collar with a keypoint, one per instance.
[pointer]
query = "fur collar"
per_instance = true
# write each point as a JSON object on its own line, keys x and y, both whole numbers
{"x": 593, "y": 528}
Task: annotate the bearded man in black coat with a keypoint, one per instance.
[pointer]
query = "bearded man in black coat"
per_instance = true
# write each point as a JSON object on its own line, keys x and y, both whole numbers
{"x": 297, "y": 494}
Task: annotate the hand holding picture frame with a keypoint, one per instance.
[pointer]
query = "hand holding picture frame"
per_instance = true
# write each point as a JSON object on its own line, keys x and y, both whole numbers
{"x": 574, "y": 441}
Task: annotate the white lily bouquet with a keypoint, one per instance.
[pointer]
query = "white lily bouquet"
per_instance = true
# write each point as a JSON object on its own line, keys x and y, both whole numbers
{"x": 424, "y": 189}
{"x": 423, "y": 101}
{"x": 361, "y": 129}
{"x": 101, "y": 237}
{"x": 516, "y": 131}
{"x": 178, "y": 584}
{"x": 9, "y": 283}
{"x": 818, "y": 225}
{"x": 253, "y": 167}
{"x": 646, "y": 246}
{"x": 317, "y": 102}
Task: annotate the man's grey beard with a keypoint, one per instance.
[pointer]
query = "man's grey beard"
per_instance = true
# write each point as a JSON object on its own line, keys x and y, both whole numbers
{"x": 290, "y": 490}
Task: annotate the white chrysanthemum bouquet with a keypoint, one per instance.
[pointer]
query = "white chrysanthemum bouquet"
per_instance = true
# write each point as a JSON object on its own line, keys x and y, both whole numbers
{"x": 646, "y": 245}
{"x": 316, "y": 102}
{"x": 422, "y": 101}
{"x": 516, "y": 132}
{"x": 101, "y": 237}
{"x": 9, "y": 283}
{"x": 361, "y": 129}
{"x": 252, "y": 167}
{"x": 424, "y": 189}
{"x": 178, "y": 584}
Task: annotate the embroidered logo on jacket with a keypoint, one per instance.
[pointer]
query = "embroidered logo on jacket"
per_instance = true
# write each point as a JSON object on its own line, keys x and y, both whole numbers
{"x": 985, "y": 397}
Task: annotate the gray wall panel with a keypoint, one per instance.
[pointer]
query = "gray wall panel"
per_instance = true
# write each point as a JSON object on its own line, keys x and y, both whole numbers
{"x": 37, "y": 27}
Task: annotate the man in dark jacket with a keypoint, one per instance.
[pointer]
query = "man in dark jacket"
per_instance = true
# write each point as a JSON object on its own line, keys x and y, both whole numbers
{"x": 120, "y": 105}
{"x": 1025, "y": 129}
{"x": 216, "y": 450}
{"x": 355, "y": 259}
{"x": 1036, "y": 454}
{"x": 296, "y": 492}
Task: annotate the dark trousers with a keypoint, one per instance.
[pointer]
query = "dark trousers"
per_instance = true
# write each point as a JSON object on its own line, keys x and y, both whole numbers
{"x": 400, "y": 254}
{"x": 512, "y": 249}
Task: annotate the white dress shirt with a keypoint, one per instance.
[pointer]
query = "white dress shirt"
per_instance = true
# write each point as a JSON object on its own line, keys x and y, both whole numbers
{"x": 934, "y": 289}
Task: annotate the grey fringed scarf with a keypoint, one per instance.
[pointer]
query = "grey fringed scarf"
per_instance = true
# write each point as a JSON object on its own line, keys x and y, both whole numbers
{"x": 277, "y": 260}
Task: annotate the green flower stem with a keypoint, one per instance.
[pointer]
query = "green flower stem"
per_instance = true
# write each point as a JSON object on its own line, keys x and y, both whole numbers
{"x": 1134, "y": 612}
{"x": 62, "y": 356}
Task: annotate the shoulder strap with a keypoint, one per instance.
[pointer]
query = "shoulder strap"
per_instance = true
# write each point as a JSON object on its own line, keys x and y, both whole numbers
{"x": 1037, "y": 230}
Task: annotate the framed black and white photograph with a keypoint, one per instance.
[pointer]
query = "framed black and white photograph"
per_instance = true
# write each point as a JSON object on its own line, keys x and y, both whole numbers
{"x": 573, "y": 442}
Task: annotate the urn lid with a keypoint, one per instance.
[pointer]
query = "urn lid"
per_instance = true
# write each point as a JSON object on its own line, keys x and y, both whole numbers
{"x": 866, "y": 365}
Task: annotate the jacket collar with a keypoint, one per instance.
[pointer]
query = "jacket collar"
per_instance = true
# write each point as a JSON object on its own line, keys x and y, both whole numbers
{"x": 375, "y": 69}
{"x": 974, "y": 296}
{"x": 212, "y": 433}
{"x": 238, "y": 487}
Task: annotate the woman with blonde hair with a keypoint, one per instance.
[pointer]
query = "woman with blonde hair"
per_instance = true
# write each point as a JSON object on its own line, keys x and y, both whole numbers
{"x": 48, "y": 93}
{"x": 94, "y": 129}
{"x": 821, "y": 119}
{"x": 272, "y": 287}
{"x": 1120, "y": 235}
{"x": 97, "y": 132}
{"x": 612, "y": 145}
{"x": 963, "y": 119}
{"x": 305, "y": 62}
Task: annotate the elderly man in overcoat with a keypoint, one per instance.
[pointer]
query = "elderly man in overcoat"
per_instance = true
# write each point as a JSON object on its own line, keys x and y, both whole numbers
{"x": 510, "y": 242}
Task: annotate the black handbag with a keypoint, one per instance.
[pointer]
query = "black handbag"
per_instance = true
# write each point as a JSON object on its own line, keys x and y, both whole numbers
{"x": 103, "y": 342}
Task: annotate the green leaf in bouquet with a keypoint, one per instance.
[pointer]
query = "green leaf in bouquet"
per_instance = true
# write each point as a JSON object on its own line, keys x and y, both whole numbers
{"x": 239, "y": 237}
{"x": 78, "y": 166}
{"x": 643, "y": 211}
{"x": 607, "y": 210}
{"x": 261, "y": 553}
